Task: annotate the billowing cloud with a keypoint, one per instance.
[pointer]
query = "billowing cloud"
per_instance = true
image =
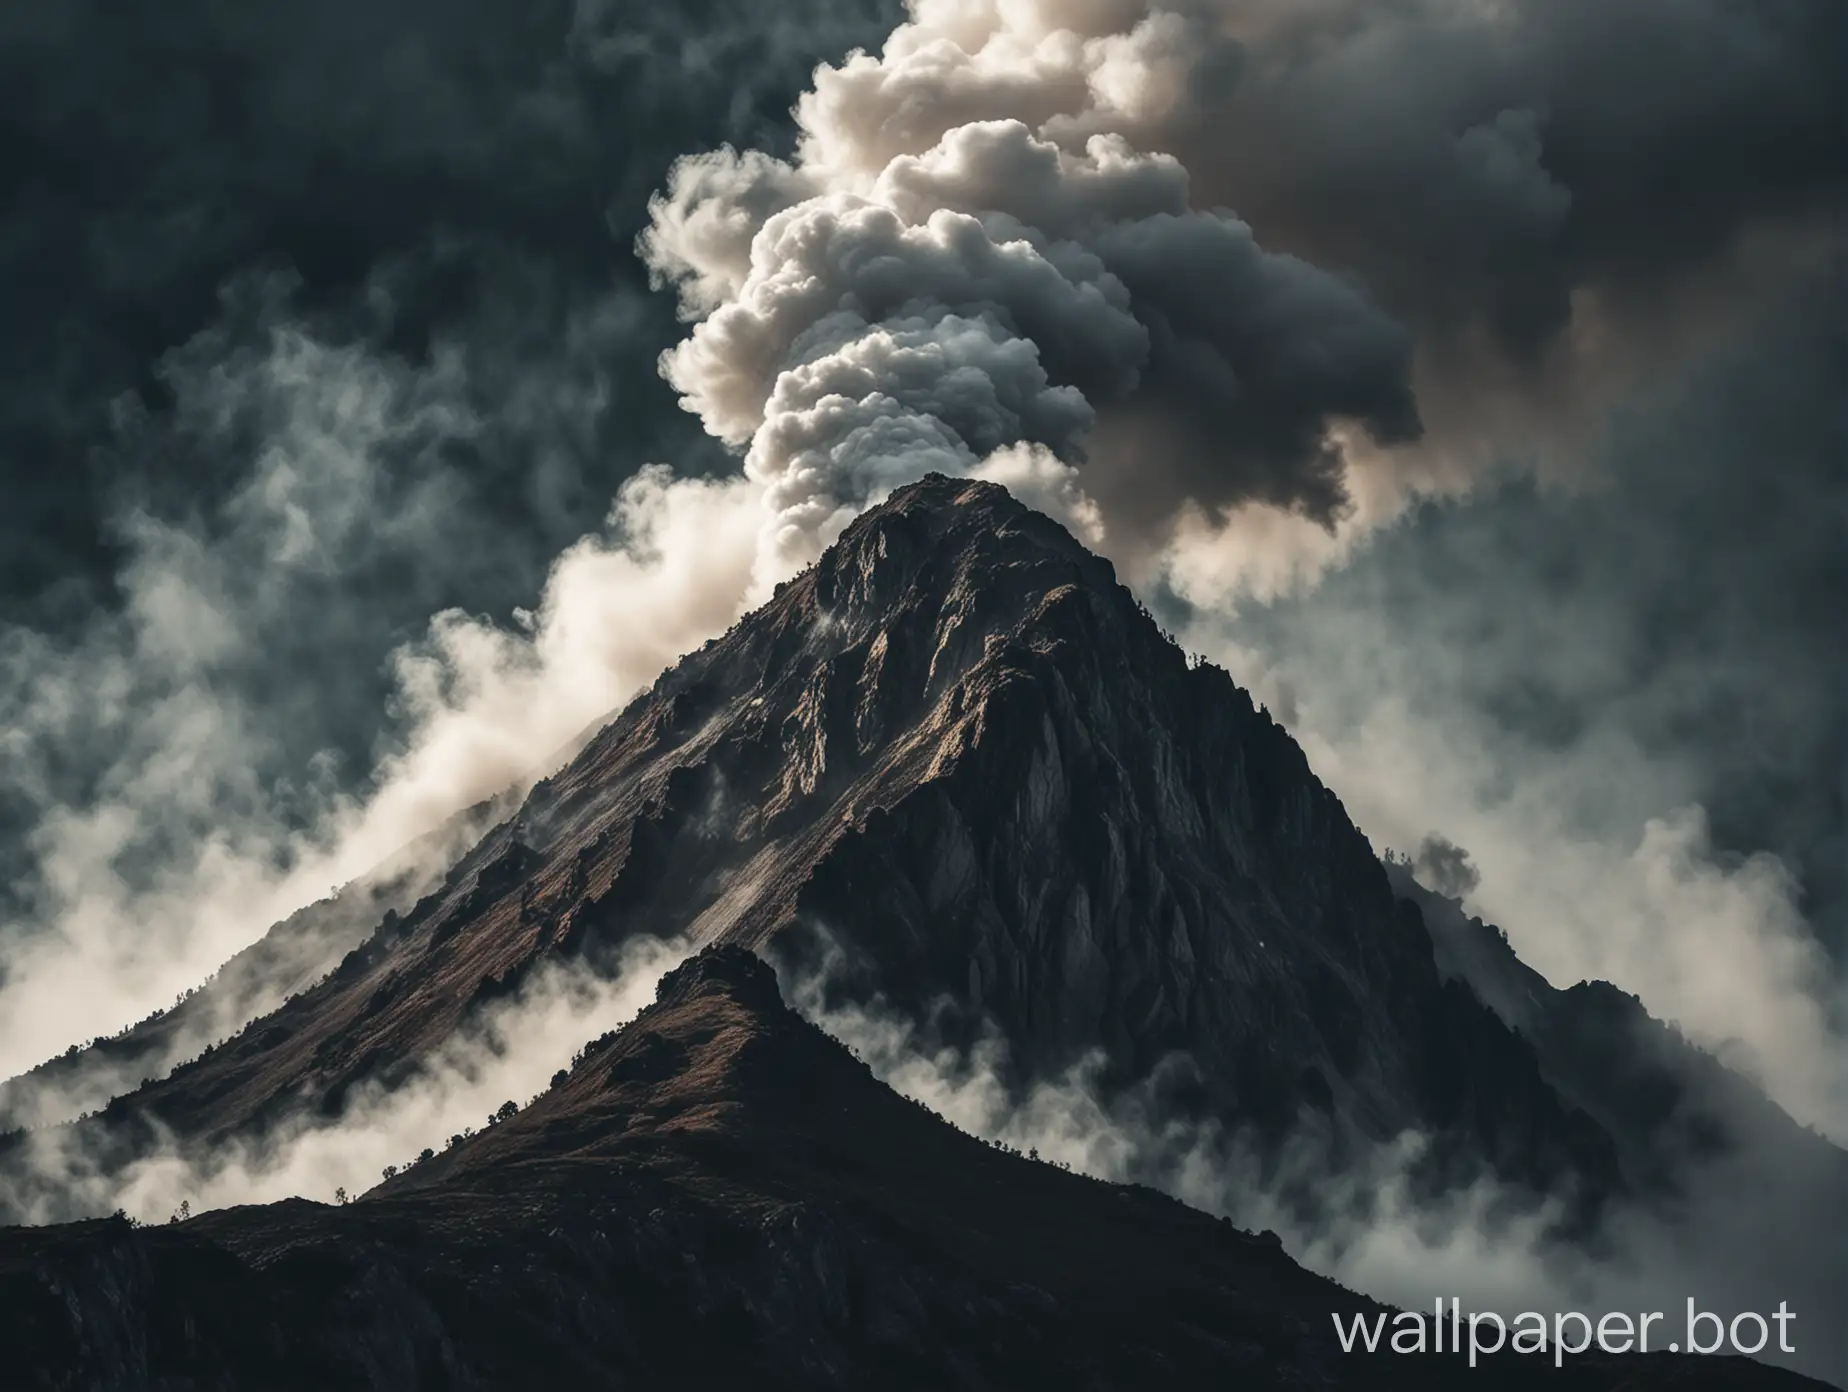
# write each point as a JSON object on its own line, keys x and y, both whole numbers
{"x": 1457, "y": 199}
{"x": 1160, "y": 327}
{"x": 1443, "y": 866}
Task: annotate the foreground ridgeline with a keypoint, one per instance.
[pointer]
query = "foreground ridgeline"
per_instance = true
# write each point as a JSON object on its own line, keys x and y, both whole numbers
{"x": 717, "y": 1192}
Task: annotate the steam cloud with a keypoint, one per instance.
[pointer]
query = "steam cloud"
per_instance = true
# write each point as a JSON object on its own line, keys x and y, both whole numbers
{"x": 1062, "y": 173}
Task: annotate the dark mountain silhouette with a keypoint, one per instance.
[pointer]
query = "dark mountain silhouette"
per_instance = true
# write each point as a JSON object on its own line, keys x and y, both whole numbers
{"x": 962, "y": 767}
{"x": 718, "y": 1194}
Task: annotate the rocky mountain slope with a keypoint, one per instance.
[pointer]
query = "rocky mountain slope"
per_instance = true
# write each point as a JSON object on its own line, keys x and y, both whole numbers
{"x": 718, "y": 1195}
{"x": 290, "y": 957}
{"x": 956, "y": 766}
{"x": 963, "y": 755}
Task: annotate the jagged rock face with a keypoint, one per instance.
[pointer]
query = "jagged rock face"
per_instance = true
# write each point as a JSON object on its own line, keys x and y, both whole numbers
{"x": 961, "y": 750}
{"x": 719, "y": 1195}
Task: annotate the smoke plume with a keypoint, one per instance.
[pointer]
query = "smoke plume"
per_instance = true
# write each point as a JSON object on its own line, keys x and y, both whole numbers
{"x": 1299, "y": 262}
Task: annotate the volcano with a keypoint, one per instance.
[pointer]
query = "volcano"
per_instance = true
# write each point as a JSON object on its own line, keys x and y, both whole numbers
{"x": 954, "y": 767}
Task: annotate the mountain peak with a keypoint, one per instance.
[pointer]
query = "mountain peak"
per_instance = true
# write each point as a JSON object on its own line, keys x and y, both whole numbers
{"x": 965, "y": 763}
{"x": 942, "y": 542}
{"x": 940, "y": 503}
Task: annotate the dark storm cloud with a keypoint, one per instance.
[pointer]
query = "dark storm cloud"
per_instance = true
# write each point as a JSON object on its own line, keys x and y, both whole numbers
{"x": 1560, "y": 679}
{"x": 1252, "y": 357}
{"x": 1551, "y": 203}
{"x": 318, "y": 322}
{"x": 437, "y": 198}
{"x": 1555, "y": 198}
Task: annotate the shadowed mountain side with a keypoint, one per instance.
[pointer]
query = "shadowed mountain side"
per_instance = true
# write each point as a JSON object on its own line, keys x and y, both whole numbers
{"x": 1662, "y": 1097}
{"x": 964, "y": 751}
{"x": 718, "y": 1192}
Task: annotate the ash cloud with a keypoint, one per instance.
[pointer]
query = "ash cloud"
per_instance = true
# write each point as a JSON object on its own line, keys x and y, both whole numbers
{"x": 1444, "y": 867}
{"x": 1116, "y": 296}
{"x": 1454, "y": 231}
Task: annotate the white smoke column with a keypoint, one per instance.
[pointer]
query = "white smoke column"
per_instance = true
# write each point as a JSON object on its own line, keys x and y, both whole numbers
{"x": 967, "y": 255}
{"x": 1446, "y": 154}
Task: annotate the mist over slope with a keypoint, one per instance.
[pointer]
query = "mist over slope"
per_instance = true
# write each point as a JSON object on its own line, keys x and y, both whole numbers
{"x": 956, "y": 770}
{"x": 721, "y": 1191}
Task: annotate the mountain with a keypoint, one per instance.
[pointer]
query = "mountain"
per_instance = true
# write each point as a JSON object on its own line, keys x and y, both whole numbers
{"x": 956, "y": 768}
{"x": 961, "y": 756}
{"x": 717, "y": 1195}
